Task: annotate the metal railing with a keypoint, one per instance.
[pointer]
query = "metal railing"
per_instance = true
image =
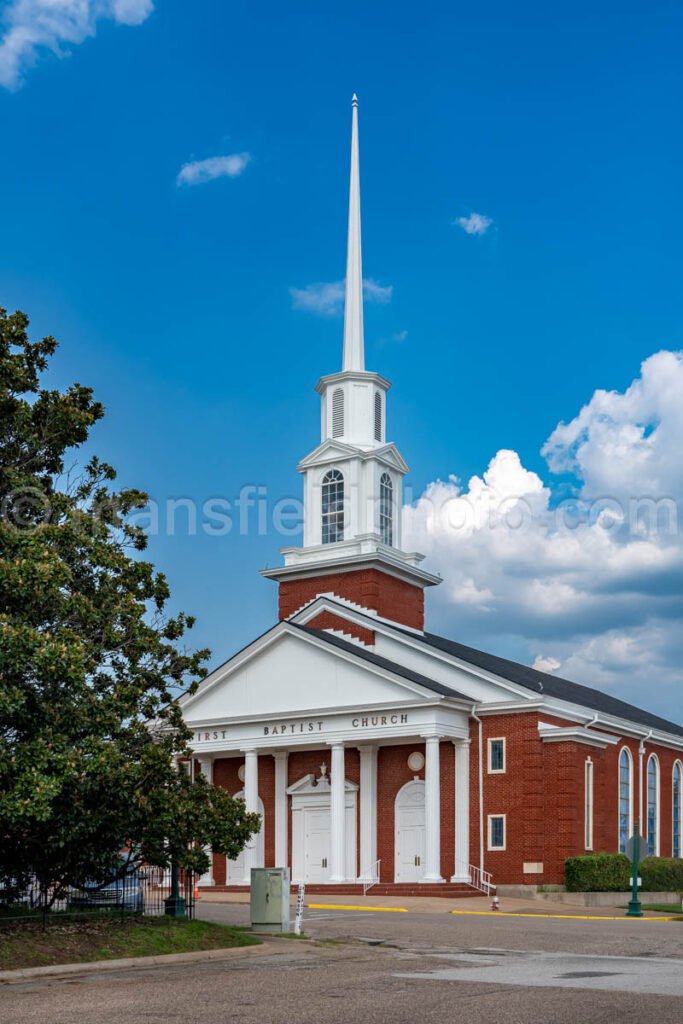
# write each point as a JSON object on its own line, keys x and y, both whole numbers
{"x": 371, "y": 879}
{"x": 140, "y": 891}
{"x": 478, "y": 878}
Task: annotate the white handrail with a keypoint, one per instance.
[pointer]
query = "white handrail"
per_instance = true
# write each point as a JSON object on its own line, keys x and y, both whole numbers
{"x": 372, "y": 880}
{"x": 478, "y": 878}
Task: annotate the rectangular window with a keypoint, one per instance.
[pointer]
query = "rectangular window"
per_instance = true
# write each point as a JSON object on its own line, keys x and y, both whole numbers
{"x": 496, "y": 748}
{"x": 588, "y": 805}
{"x": 496, "y": 831}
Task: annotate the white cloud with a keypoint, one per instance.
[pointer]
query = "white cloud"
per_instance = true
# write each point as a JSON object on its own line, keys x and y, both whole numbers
{"x": 327, "y": 298}
{"x": 542, "y": 664}
{"x": 474, "y": 224}
{"x": 375, "y": 292}
{"x": 399, "y": 336}
{"x": 197, "y": 172}
{"x": 590, "y": 586}
{"x": 31, "y": 26}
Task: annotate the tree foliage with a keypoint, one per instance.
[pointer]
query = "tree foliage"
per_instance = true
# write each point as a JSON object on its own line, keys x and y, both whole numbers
{"x": 90, "y": 661}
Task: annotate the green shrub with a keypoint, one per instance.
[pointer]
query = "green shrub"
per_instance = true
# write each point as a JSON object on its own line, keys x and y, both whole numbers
{"x": 661, "y": 874}
{"x": 597, "y": 872}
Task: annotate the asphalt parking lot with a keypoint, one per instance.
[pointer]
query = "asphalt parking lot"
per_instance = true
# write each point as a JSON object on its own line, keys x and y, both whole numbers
{"x": 384, "y": 966}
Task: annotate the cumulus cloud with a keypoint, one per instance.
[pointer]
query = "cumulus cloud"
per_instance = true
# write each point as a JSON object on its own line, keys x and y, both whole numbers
{"x": 197, "y": 172}
{"x": 33, "y": 26}
{"x": 327, "y": 298}
{"x": 474, "y": 224}
{"x": 590, "y": 584}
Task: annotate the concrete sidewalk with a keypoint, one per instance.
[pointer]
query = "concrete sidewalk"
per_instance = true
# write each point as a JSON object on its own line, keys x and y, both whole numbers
{"x": 435, "y": 904}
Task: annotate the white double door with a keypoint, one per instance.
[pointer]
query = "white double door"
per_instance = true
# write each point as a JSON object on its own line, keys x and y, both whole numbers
{"x": 311, "y": 840}
{"x": 409, "y": 833}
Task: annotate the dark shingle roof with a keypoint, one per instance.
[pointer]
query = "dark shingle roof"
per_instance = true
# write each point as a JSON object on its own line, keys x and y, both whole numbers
{"x": 546, "y": 684}
{"x": 385, "y": 663}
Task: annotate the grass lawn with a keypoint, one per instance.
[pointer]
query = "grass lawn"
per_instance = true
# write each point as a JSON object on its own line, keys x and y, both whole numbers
{"x": 26, "y": 945}
{"x": 663, "y": 908}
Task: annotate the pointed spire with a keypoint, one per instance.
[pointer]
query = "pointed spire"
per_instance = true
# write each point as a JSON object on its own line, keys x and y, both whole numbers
{"x": 354, "y": 355}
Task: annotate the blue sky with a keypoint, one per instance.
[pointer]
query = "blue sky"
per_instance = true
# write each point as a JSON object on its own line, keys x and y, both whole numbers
{"x": 561, "y": 125}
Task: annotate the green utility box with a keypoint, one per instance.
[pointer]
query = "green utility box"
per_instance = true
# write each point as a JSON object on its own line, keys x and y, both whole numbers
{"x": 270, "y": 899}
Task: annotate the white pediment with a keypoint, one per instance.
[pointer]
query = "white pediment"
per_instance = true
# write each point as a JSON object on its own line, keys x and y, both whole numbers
{"x": 332, "y": 450}
{"x": 309, "y": 785}
{"x": 290, "y": 672}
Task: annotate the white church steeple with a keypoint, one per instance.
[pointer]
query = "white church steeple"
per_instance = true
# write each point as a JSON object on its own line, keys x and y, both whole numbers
{"x": 353, "y": 480}
{"x": 354, "y": 355}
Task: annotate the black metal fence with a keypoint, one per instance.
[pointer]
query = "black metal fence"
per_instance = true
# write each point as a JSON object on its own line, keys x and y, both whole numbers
{"x": 143, "y": 891}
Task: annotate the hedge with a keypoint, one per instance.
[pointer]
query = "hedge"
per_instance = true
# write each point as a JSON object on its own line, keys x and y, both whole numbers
{"x": 597, "y": 872}
{"x": 610, "y": 872}
{"x": 661, "y": 874}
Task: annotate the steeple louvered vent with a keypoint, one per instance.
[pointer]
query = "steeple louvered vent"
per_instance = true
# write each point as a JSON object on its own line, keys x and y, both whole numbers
{"x": 378, "y": 416}
{"x": 337, "y": 413}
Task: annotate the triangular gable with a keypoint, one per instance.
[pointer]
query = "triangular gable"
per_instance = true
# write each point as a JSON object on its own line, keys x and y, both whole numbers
{"x": 287, "y": 671}
{"x": 406, "y": 648}
{"x": 332, "y": 450}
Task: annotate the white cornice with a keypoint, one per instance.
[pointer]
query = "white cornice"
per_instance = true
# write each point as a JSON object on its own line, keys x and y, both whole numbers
{"x": 342, "y": 375}
{"x": 575, "y": 734}
{"x": 379, "y": 559}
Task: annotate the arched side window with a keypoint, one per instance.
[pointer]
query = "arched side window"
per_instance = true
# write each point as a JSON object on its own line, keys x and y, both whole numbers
{"x": 677, "y": 809}
{"x": 652, "y": 806}
{"x": 378, "y": 416}
{"x": 337, "y": 412}
{"x": 386, "y": 510}
{"x": 333, "y": 507}
{"x": 625, "y": 798}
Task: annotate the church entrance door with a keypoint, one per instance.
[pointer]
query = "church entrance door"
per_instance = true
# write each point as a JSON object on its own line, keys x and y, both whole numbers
{"x": 409, "y": 832}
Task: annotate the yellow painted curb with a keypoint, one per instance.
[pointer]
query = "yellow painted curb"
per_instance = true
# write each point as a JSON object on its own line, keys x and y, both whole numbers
{"x": 557, "y": 917}
{"x": 341, "y": 906}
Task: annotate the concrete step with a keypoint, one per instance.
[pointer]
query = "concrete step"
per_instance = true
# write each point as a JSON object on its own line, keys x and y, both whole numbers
{"x": 448, "y": 890}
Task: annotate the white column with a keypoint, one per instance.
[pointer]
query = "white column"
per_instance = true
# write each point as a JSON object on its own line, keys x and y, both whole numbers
{"x": 432, "y": 812}
{"x": 462, "y": 811}
{"x": 337, "y": 815}
{"x": 206, "y": 768}
{"x": 251, "y": 801}
{"x": 368, "y": 813}
{"x": 281, "y": 815}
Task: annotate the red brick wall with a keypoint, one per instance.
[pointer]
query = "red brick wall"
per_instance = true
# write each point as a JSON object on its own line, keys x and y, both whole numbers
{"x": 392, "y": 598}
{"x": 541, "y": 793}
{"x": 326, "y": 620}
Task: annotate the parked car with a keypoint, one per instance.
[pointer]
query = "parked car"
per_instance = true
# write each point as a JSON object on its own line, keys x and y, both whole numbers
{"x": 124, "y": 892}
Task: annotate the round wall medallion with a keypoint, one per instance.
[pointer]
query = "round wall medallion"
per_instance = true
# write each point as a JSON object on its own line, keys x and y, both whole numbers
{"x": 240, "y": 773}
{"x": 416, "y": 761}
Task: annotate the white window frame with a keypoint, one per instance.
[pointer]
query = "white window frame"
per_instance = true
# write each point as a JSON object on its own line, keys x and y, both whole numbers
{"x": 677, "y": 764}
{"x": 658, "y": 805}
{"x": 588, "y": 805}
{"x": 629, "y": 758}
{"x": 490, "y": 847}
{"x": 496, "y": 771}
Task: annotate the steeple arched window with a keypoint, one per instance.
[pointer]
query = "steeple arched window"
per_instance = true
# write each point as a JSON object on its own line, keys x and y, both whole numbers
{"x": 386, "y": 510}
{"x": 625, "y": 798}
{"x": 333, "y": 507}
{"x": 337, "y": 412}
{"x": 653, "y": 806}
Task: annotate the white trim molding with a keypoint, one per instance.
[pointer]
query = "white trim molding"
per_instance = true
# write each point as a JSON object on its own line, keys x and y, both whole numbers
{"x": 489, "y": 845}
{"x": 489, "y": 742}
{"x": 575, "y": 734}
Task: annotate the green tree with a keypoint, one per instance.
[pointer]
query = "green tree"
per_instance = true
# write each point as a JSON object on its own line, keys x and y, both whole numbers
{"x": 90, "y": 662}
